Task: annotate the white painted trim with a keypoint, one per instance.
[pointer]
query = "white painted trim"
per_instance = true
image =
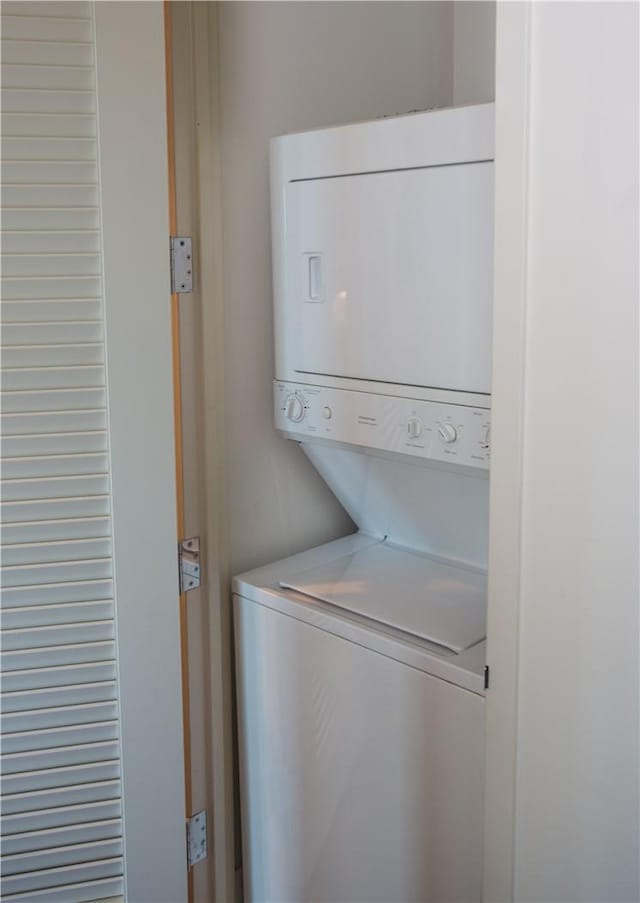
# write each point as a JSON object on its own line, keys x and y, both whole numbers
{"x": 133, "y": 166}
{"x": 507, "y": 444}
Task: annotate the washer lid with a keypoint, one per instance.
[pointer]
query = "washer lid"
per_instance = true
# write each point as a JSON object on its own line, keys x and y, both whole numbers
{"x": 442, "y": 603}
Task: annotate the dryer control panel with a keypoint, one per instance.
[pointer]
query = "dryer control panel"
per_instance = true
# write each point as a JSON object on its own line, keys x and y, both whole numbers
{"x": 454, "y": 434}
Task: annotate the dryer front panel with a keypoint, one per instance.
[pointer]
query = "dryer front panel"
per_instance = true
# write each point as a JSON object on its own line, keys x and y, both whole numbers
{"x": 389, "y": 276}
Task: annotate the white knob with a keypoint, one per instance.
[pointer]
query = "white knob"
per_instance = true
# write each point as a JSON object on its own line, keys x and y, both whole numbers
{"x": 414, "y": 428}
{"x": 448, "y": 433}
{"x": 294, "y": 408}
{"x": 487, "y": 437}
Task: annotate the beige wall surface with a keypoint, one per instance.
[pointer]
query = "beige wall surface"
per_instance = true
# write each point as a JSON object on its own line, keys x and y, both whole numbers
{"x": 287, "y": 67}
{"x": 474, "y": 49}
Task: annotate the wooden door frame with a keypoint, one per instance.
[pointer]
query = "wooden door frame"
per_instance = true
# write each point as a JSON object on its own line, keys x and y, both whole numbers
{"x": 198, "y": 360}
{"x": 178, "y": 424}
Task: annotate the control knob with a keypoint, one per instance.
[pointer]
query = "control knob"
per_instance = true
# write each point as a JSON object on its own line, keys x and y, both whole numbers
{"x": 294, "y": 408}
{"x": 447, "y": 433}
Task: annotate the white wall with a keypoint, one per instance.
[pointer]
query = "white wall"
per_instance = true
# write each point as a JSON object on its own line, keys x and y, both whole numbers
{"x": 474, "y": 43}
{"x": 576, "y": 729}
{"x": 285, "y": 67}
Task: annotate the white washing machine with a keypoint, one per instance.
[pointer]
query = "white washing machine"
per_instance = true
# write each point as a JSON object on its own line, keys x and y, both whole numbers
{"x": 360, "y": 664}
{"x": 361, "y": 726}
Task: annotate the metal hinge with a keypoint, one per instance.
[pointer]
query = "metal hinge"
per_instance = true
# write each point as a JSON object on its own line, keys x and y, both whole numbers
{"x": 486, "y": 677}
{"x": 189, "y": 563}
{"x": 196, "y": 838}
{"x": 181, "y": 265}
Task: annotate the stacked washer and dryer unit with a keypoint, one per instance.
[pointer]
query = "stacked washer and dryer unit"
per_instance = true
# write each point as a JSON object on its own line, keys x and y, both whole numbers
{"x": 360, "y": 664}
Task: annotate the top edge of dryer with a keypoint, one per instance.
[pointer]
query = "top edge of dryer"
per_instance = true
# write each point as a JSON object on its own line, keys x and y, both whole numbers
{"x": 445, "y": 136}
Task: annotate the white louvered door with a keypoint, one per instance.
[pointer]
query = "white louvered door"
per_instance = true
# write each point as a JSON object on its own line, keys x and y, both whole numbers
{"x": 92, "y": 768}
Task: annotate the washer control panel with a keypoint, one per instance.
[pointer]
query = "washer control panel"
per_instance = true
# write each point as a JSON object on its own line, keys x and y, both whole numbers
{"x": 456, "y": 434}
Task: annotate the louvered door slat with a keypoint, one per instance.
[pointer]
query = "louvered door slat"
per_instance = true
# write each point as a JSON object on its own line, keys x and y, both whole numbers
{"x": 54, "y": 241}
{"x": 62, "y": 776}
{"x": 54, "y": 738}
{"x": 48, "y": 125}
{"x": 49, "y": 615}
{"x": 59, "y": 634}
{"x": 73, "y": 694}
{"x": 69, "y": 443}
{"x": 56, "y": 218}
{"x": 27, "y": 174}
{"x": 58, "y": 716}
{"x": 80, "y": 754}
{"x": 53, "y": 288}
{"x": 69, "y": 528}
{"x": 49, "y": 464}
{"x": 71, "y": 854}
{"x": 27, "y": 401}
{"x": 19, "y": 803}
{"x": 102, "y": 891}
{"x": 31, "y": 147}
{"x": 32, "y": 841}
{"x": 43, "y": 552}
{"x": 32, "y": 489}
{"x": 62, "y": 9}
{"x": 38, "y": 422}
{"x": 53, "y": 355}
{"x": 58, "y": 377}
{"x": 58, "y": 819}
{"x": 47, "y": 53}
{"x": 47, "y": 334}
{"x": 60, "y": 676}
{"x": 46, "y": 29}
{"x": 60, "y": 312}
{"x": 56, "y": 263}
{"x": 56, "y": 593}
{"x": 58, "y": 656}
{"x": 32, "y": 574}
{"x": 30, "y": 100}
{"x": 62, "y": 875}
{"x": 61, "y": 810}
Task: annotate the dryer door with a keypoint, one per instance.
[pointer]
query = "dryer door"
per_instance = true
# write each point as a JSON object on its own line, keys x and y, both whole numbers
{"x": 389, "y": 275}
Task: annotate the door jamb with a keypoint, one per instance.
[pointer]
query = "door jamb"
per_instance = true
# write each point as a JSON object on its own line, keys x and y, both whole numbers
{"x": 177, "y": 402}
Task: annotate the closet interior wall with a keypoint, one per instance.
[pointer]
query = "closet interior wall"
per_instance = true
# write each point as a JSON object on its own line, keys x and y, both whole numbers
{"x": 244, "y": 72}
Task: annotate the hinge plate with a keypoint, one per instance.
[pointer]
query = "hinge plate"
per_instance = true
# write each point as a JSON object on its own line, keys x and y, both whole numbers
{"x": 181, "y": 265}
{"x": 196, "y": 838}
{"x": 189, "y": 563}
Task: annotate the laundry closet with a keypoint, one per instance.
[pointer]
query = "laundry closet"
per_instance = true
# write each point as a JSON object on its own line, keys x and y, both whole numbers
{"x": 320, "y": 441}
{"x": 411, "y": 346}
{"x": 355, "y": 463}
